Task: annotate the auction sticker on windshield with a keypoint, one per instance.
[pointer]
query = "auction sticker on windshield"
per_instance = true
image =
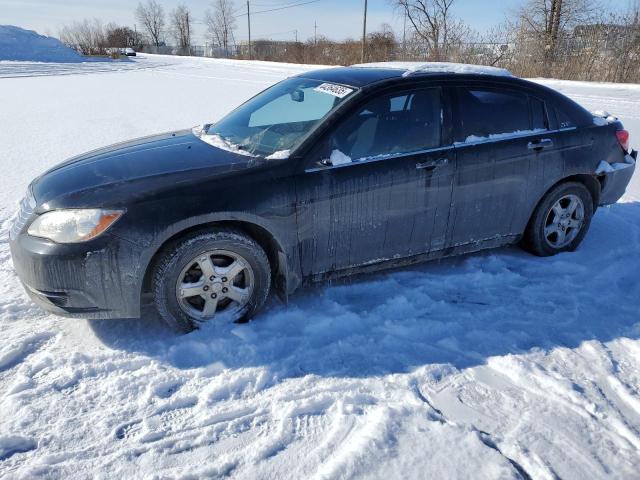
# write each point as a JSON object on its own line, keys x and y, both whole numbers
{"x": 333, "y": 89}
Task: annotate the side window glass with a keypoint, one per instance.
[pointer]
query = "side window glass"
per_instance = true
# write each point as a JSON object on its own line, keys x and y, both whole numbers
{"x": 388, "y": 125}
{"x": 399, "y": 103}
{"x": 538, "y": 115}
{"x": 486, "y": 114}
{"x": 563, "y": 119}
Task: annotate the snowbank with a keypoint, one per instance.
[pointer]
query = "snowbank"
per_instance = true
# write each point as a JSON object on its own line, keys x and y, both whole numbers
{"x": 23, "y": 45}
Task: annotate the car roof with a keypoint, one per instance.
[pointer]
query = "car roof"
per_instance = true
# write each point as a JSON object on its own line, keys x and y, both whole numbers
{"x": 353, "y": 76}
{"x": 384, "y": 73}
{"x": 368, "y": 73}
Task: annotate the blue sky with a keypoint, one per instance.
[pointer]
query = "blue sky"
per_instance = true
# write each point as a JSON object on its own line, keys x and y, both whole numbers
{"x": 337, "y": 19}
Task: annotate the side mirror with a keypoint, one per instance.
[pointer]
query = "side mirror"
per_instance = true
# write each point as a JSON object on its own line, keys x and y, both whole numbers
{"x": 297, "y": 95}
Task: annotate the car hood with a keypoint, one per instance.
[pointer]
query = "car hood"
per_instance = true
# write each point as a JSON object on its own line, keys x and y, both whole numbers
{"x": 143, "y": 163}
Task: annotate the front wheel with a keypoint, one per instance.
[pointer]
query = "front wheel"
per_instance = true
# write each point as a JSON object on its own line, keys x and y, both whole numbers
{"x": 560, "y": 221}
{"x": 211, "y": 276}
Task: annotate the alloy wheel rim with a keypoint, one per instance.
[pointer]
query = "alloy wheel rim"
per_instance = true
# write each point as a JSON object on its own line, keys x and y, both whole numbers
{"x": 215, "y": 282}
{"x": 564, "y": 221}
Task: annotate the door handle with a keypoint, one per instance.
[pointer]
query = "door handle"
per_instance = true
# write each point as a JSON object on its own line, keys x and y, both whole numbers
{"x": 432, "y": 164}
{"x": 540, "y": 144}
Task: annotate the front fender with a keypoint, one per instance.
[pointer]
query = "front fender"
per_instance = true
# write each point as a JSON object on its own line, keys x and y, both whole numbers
{"x": 283, "y": 238}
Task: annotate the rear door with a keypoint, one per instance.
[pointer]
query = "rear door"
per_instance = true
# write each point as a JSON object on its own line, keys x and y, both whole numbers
{"x": 502, "y": 137}
{"x": 384, "y": 189}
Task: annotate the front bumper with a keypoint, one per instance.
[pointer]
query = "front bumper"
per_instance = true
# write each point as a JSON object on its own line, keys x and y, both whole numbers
{"x": 96, "y": 279}
{"x": 616, "y": 179}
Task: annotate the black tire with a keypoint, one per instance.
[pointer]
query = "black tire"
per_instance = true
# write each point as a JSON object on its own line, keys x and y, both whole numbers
{"x": 172, "y": 262}
{"x": 534, "y": 239}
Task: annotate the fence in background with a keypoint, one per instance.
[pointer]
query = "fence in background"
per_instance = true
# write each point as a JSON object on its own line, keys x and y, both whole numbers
{"x": 593, "y": 52}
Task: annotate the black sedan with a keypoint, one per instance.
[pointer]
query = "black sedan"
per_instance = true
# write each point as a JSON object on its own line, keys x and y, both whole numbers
{"x": 325, "y": 174}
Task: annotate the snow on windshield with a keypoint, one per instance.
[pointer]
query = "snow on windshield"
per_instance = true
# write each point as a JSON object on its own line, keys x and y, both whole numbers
{"x": 280, "y": 154}
{"x": 219, "y": 142}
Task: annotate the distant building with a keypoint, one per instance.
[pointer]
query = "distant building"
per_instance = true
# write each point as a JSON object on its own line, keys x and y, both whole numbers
{"x": 606, "y": 36}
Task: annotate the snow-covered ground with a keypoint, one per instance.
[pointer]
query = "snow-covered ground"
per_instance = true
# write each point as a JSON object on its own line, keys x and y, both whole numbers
{"x": 495, "y": 365}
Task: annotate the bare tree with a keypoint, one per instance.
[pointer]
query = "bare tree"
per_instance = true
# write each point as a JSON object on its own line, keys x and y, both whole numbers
{"x": 220, "y": 23}
{"x": 87, "y": 36}
{"x": 151, "y": 16}
{"x": 120, "y": 37}
{"x": 627, "y": 46}
{"x": 548, "y": 21}
{"x": 181, "y": 21}
{"x": 382, "y": 44}
{"x": 434, "y": 23}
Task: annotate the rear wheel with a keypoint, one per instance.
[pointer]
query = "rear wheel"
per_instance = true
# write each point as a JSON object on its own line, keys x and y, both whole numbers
{"x": 209, "y": 277}
{"x": 560, "y": 221}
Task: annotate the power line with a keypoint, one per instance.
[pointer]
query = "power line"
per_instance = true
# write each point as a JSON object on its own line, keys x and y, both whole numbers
{"x": 275, "y": 4}
{"x": 280, "y": 8}
{"x": 237, "y": 10}
{"x": 272, "y": 34}
{"x": 277, "y": 33}
{"x": 285, "y": 6}
{"x": 288, "y": 6}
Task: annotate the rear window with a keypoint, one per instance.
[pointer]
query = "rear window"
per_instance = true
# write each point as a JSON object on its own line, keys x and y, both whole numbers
{"x": 484, "y": 113}
{"x": 538, "y": 114}
{"x": 564, "y": 121}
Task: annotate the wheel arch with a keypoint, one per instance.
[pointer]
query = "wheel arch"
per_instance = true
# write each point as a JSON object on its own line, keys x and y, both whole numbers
{"x": 591, "y": 182}
{"x": 255, "y": 229}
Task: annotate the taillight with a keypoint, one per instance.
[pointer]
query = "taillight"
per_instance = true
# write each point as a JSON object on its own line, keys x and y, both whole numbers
{"x": 623, "y": 138}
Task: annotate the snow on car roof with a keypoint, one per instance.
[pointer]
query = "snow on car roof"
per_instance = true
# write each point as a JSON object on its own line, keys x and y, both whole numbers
{"x": 438, "y": 67}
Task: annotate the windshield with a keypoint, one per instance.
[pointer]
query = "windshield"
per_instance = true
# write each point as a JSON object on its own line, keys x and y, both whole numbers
{"x": 272, "y": 123}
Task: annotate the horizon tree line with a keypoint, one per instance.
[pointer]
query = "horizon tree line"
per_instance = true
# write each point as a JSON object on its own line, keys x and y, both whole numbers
{"x": 573, "y": 39}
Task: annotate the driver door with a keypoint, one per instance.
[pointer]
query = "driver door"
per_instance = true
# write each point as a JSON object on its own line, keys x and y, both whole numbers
{"x": 378, "y": 187}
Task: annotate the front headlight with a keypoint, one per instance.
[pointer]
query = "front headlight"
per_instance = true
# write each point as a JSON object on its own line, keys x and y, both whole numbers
{"x": 72, "y": 226}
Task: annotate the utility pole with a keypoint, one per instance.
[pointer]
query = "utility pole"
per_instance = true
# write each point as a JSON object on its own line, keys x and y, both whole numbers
{"x": 404, "y": 37}
{"x": 296, "y": 33}
{"x": 364, "y": 31}
{"x": 315, "y": 33}
{"x": 188, "y": 36}
{"x": 249, "y": 27}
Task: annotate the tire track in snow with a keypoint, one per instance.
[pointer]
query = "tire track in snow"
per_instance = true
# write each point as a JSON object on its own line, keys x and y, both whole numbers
{"x": 595, "y": 353}
{"x": 449, "y": 392}
{"x": 17, "y": 353}
{"x": 372, "y": 429}
{"x": 552, "y": 388}
{"x": 20, "y": 70}
{"x": 484, "y": 437}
